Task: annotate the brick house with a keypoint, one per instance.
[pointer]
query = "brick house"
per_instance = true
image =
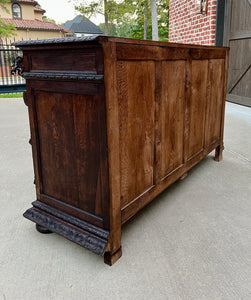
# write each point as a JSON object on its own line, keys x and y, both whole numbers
{"x": 27, "y": 17}
{"x": 192, "y": 21}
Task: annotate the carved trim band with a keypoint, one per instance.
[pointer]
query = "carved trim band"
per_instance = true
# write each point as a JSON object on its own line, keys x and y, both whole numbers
{"x": 71, "y": 232}
{"x": 55, "y": 41}
{"x": 64, "y": 76}
{"x": 70, "y": 219}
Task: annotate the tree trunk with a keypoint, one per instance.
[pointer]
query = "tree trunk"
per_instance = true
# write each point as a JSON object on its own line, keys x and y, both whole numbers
{"x": 106, "y": 18}
{"x": 155, "y": 33}
{"x": 145, "y": 19}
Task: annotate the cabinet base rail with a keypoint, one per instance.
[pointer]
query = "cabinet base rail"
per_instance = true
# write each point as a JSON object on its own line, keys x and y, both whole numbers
{"x": 88, "y": 236}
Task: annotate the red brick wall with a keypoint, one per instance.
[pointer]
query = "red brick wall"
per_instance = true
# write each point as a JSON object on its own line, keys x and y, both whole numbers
{"x": 187, "y": 25}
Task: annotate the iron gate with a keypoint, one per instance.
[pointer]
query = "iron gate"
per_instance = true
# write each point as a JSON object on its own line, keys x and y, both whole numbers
{"x": 11, "y": 80}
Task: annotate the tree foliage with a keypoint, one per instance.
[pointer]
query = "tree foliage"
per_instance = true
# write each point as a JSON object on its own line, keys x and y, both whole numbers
{"x": 137, "y": 30}
{"x": 2, "y": 4}
{"x": 112, "y": 10}
{"x": 6, "y": 29}
{"x": 112, "y": 29}
{"x": 46, "y": 19}
{"x": 128, "y": 18}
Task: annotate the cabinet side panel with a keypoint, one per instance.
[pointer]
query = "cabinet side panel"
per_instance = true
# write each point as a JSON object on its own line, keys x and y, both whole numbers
{"x": 69, "y": 130}
{"x": 172, "y": 115}
{"x": 55, "y": 128}
{"x": 89, "y": 121}
{"x": 195, "y": 108}
{"x": 214, "y": 100}
{"x": 136, "y": 121}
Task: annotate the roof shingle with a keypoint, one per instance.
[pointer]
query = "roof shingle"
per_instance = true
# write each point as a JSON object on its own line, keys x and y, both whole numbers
{"x": 82, "y": 25}
{"x": 25, "y": 1}
{"x": 34, "y": 25}
{"x": 38, "y": 9}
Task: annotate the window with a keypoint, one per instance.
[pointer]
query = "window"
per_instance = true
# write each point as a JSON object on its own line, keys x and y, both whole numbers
{"x": 201, "y": 6}
{"x": 204, "y": 7}
{"x": 16, "y": 11}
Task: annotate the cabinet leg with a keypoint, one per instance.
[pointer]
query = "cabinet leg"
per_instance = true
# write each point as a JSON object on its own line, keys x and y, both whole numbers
{"x": 218, "y": 153}
{"x": 110, "y": 259}
{"x": 42, "y": 229}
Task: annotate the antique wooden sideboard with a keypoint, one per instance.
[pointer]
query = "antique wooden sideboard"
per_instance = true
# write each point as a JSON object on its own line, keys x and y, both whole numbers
{"x": 113, "y": 123}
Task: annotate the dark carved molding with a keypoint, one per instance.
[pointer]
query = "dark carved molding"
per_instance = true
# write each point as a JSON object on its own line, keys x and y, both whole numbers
{"x": 70, "y": 219}
{"x": 63, "y": 76}
{"x": 56, "y": 41}
{"x": 69, "y": 231}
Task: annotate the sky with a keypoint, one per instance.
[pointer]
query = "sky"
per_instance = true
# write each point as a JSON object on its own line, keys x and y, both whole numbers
{"x": 63, "y": 10}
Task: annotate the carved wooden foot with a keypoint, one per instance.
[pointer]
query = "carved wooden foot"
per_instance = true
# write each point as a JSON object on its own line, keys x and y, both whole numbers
{"x": 110, "y": 259}
{"x": 42, "y": 229}
{"x": 218, "y": 153}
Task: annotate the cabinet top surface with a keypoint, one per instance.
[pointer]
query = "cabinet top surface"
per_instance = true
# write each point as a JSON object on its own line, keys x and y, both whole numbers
{"x": 56, "y": 41}
{"x": 99, "y": 39}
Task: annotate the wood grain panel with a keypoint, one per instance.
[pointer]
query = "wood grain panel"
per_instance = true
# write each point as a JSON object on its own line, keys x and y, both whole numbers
{"x": 131, "y": 209}
{"x": 64, "y": 60}
{"x": 214, "y": 100}
{"x": 112, "y": 123}
{"x": 207, "y": 53}
{"x": 66, "y": 87}
{"x": 136, "y": 119}
{"x": 88, "y": 119}
{"x": 139, "y": 52}
{"x": 172, "y": 115}
{"x": 195, "y": 108}
{"x": 69, "y": 130}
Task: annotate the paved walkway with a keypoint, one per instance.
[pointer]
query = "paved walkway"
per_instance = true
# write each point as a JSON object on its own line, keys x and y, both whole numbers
{"x": 193, "y": 242}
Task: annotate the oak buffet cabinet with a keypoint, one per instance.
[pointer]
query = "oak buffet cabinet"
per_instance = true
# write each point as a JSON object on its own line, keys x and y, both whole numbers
{"x": 113, "y": 123}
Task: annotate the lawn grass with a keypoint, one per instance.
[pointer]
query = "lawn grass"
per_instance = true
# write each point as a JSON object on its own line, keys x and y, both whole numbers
{"x": 15, "y": 95}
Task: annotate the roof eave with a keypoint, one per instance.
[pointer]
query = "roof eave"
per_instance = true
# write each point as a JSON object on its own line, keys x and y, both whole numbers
{"x": 39, "y": 29}
{"x": 25, "y": 2}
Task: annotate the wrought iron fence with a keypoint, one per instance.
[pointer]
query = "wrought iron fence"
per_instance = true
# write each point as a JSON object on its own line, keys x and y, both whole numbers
{"x": 11, "y": 80}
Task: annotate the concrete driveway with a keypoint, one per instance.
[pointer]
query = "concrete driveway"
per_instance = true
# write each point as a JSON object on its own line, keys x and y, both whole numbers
{"x": 192, "y": 242}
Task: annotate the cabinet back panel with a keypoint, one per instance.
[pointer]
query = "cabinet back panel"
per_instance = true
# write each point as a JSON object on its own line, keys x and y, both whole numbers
{"x": 136, "y": 125}
{"x": 172, "y": 115}
{"x": 214, "y": 100}
{"x": 71, "y": 131}
{"x": 195, "y": 107}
